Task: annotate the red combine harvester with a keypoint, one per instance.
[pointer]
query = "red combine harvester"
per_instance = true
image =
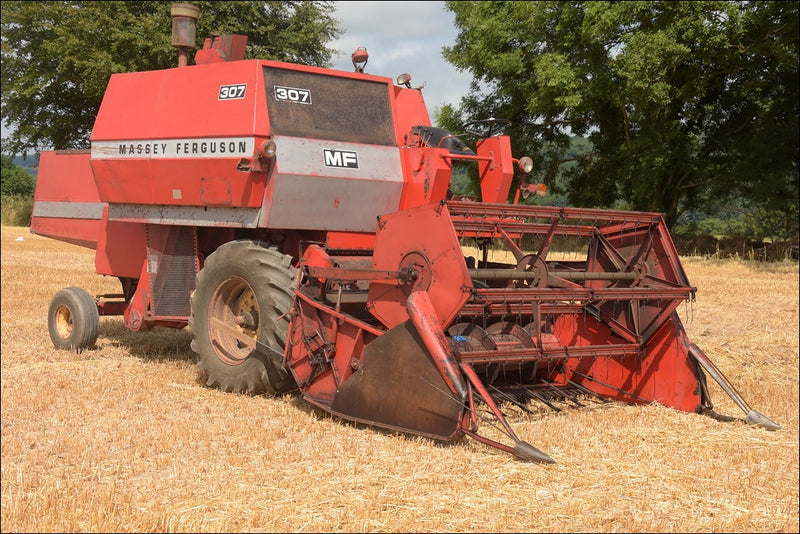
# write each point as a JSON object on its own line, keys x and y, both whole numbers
{"x": 299, "y": 221}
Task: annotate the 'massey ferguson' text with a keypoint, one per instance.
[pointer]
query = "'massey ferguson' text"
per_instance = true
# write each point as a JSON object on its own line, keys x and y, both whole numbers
{"x": 174, "y": 148}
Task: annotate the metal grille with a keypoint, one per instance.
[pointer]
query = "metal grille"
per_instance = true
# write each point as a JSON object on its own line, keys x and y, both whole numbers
{"x": 172, "y": 264}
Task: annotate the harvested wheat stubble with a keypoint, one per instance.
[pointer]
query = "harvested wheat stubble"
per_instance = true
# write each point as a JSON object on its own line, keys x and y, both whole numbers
{"x": 125, "y": 437}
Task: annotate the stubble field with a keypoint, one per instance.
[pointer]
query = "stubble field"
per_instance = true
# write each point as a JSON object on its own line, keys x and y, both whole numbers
{"x": 125, "y": 438}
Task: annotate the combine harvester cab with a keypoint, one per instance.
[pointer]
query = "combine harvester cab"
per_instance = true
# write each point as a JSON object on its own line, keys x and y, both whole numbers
{"x": 300, "y": 221}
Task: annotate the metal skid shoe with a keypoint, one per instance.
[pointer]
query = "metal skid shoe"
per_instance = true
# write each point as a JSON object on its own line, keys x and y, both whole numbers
{"x": 752, "y": 417}
{"x": 521, "y": 449}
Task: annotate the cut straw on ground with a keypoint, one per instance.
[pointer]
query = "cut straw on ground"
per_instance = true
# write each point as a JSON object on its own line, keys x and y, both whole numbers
{"x": 125, "y": 437}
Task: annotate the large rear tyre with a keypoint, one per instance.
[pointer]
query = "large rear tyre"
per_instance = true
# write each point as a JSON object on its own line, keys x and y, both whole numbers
{"x": 239, "y": 318}
{"x": 73, "y": 319}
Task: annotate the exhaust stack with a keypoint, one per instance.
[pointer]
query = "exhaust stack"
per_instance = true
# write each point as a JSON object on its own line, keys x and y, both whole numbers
{"x": 184, "y": 30}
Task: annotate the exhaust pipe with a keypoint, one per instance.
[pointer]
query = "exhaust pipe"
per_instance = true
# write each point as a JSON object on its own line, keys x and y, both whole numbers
{"x": 184, "y": 30}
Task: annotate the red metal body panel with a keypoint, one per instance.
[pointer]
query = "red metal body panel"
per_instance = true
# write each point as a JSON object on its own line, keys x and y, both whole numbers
{"x": 427, "y": 173}
{"x": 497, "y": 173}
{"x": 67, "y": 206}
{"x": 350, "y": 240}
{"x": 409, "y": 110}
{"x": 661, "y": 373}
{"x": 121, "y": 248}
{"x": 166, "y": 137}
{"x": 81, "y": 232}
{"x": 170, "y": 138}
{"x": 422, "y": 239}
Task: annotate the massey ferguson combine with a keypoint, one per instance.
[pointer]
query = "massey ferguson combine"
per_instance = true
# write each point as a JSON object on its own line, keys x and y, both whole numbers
{"x": 300, "y": 222}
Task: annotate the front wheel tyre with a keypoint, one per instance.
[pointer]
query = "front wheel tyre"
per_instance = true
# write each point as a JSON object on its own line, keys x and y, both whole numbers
{"x": 239, "y": 318}
{"x": 73, "y": 319}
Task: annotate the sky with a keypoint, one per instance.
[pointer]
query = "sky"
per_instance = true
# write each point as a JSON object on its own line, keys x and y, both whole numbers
{"x": 403, "y": 37}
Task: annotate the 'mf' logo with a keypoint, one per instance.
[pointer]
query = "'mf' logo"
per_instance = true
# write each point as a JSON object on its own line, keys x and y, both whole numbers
{"x": 340, "y": 158}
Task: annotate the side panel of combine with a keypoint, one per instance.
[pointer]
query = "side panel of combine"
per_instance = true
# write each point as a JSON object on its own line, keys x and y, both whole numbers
{"x": 66, "y": 204}
{"x": 174, "y": 137}
{"x": 662, "y": 372}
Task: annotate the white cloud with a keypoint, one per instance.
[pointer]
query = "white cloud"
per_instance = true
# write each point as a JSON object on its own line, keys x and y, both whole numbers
{"x": 403, "y": 37}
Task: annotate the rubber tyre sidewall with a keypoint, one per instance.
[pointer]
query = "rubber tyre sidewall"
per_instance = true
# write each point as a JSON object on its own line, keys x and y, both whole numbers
{"x": 85, "y": 319}
{"x": 272, "y": 279}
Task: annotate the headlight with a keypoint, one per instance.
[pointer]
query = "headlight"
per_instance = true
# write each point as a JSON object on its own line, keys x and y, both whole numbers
{"x": 525, "y": 164}
{"x": 268, "y": 149}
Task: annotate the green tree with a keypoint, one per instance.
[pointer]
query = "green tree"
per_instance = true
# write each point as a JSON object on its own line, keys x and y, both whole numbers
{"x": 685, "y": 104}
{"x": 14, "y": 180}
{"x": 57, "y": 57}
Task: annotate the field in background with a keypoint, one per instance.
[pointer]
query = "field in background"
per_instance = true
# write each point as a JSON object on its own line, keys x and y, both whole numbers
{"x": 125, "y": 438}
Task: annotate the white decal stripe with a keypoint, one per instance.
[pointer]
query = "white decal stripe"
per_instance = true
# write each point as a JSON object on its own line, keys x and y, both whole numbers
{"x": 185, "y": 215}
{"x": 217, "y": 147}
{"x": 316, "y": 157}
{"x": 68, "y": 210}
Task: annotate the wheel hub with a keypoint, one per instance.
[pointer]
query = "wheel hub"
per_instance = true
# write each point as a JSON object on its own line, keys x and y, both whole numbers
{"x": 233, "y": 303}
{"x": 63, "y": 322}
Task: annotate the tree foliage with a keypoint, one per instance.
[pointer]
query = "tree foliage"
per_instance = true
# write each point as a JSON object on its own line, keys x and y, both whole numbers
{"x": 14, "y": 180}
{"x": 57, "y": 57}
{"x": 686, "y": 104}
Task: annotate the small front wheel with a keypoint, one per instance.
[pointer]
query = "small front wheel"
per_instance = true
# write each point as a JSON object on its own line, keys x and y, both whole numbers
{"x": 73, "y": 319}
